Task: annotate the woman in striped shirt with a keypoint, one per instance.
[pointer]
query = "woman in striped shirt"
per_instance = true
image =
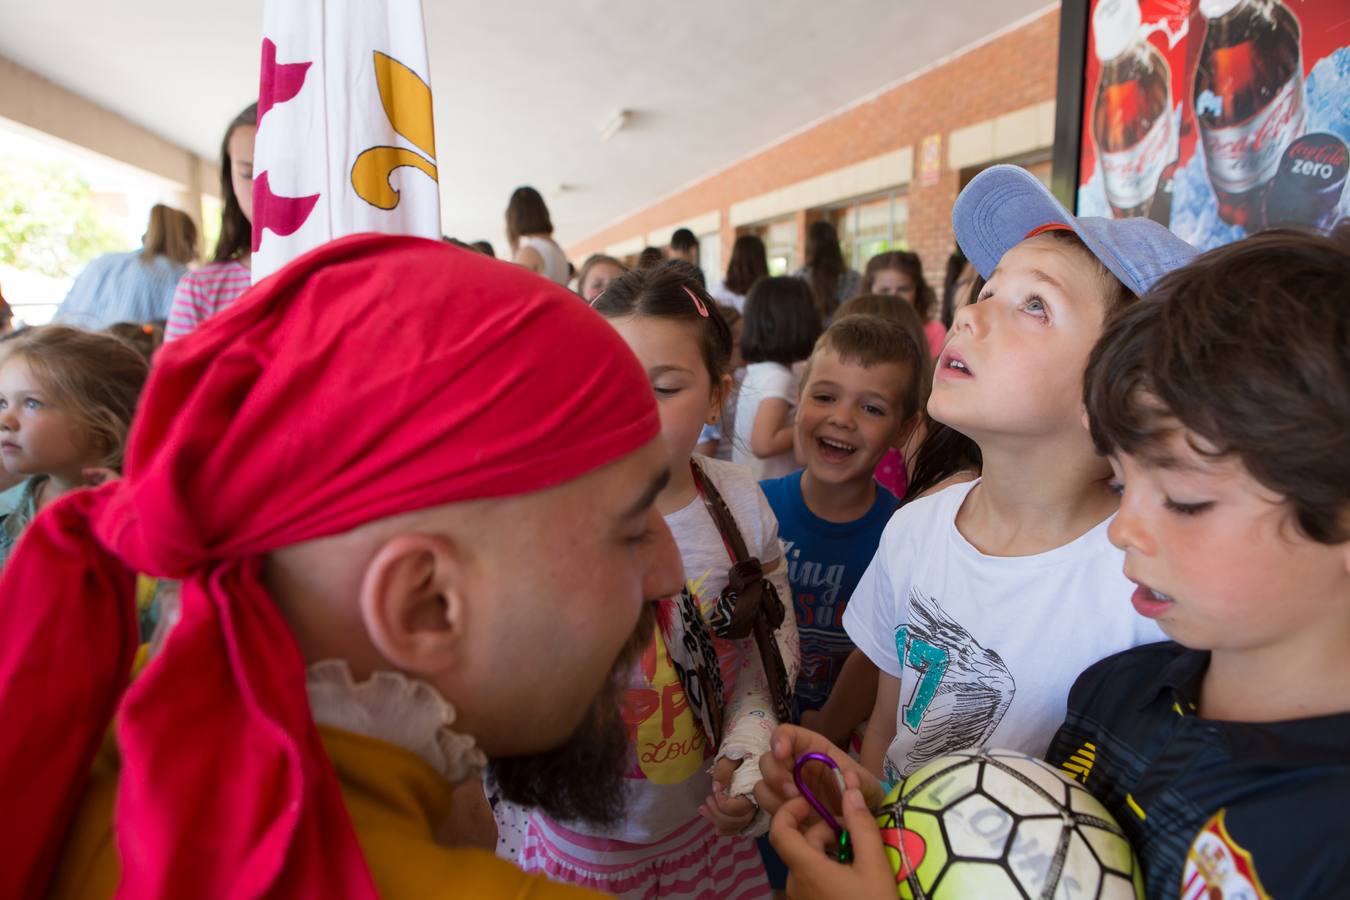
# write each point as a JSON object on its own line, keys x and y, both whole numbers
{"x": 208, "y": 290}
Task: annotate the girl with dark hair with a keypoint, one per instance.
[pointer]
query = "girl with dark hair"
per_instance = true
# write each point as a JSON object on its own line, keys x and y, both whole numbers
{"x": 781, "y": 327}
{"x": 529, "y": 231}
{"x": 749, "y": 263}
{"x": 832, "y": 281}
{"x": 690, "y": 816}
{"x": 899, "y": 273}
{"x": 204, "y": 292}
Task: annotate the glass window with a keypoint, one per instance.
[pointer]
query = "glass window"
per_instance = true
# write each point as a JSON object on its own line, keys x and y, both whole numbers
{"x": 780, "y": 241}
{"x": 869, "y": 227}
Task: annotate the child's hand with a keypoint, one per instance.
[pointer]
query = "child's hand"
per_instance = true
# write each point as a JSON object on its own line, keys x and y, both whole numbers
{"x": 791, "y": 741}
{"x": 731, "y": 815}
{"x": 811, "y": 873}
{"x": 96, "y": 477}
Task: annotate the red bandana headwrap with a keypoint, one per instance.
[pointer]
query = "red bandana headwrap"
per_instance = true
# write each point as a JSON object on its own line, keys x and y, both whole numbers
{"x": 374, "y": 376}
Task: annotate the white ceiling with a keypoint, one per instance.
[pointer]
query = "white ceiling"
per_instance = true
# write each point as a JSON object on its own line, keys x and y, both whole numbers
{"x": 522, "y": 87}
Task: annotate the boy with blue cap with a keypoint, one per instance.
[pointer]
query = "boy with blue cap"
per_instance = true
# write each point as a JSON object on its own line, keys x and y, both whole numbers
{"x": 985, "y": 600}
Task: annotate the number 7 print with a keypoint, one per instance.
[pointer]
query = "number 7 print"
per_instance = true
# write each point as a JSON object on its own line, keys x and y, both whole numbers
{"x": 931, "y": 664}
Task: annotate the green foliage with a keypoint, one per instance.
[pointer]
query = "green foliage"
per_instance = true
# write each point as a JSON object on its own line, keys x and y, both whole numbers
{"x": 48, "y": 220}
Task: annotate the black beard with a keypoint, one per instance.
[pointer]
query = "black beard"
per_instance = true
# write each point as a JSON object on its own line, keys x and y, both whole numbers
{"x": 582, "y": 780}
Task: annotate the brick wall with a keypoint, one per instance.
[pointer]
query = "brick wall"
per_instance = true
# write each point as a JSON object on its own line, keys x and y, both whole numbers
{"x": 1014, "y": 71}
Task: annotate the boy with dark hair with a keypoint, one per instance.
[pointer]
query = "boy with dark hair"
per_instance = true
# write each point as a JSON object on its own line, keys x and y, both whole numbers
{"x": 683, "y": 245}
{"x": 1223, "y": 403}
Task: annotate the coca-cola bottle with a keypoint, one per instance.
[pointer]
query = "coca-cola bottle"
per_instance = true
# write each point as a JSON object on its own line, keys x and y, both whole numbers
{"x": 1132, "y": 111}
{"x": 1249, "y": 100}
{"x": 1308, "y": 186}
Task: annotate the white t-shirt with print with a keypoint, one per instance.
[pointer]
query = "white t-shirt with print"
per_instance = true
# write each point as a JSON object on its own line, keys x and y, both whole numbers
{"x": 985, "y": 647}
{"x": 763, "y": 380}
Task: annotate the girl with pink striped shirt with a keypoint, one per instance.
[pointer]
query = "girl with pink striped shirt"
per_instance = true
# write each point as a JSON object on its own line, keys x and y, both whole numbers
{"x": 705, "y": 697}
{"x": 206, "y": 291}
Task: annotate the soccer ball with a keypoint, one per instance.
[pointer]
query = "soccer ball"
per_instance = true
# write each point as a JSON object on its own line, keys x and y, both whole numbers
{"x": 995, "y": 824}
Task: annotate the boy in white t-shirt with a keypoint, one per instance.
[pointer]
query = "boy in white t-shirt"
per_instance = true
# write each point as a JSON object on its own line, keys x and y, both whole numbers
{"x": 986, "y": 600}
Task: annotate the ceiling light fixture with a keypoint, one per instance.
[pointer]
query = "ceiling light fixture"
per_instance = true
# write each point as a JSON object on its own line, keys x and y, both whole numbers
{"x": 613, "y": 124}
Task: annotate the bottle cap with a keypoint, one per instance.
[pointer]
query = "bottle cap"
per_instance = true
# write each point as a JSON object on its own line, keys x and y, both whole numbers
{"x": 1115, "y": 27}
{"x": 1213, "y": 9}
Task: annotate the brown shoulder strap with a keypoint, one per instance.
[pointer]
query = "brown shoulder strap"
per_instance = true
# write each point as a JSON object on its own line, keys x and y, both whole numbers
{"x": 721, "y": 514}
{"x": 749, "y": 605}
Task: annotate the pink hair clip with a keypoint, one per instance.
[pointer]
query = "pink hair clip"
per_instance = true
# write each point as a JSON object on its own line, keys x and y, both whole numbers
{"x": 698, "y": 304}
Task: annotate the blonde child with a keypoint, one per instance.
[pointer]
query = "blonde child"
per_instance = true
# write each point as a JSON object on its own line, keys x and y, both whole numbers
{"x": 66, "y": 401}
{"x": 781, "y": 327}
{"x": 985, "y": 600}
{"x": 690, "y": 815}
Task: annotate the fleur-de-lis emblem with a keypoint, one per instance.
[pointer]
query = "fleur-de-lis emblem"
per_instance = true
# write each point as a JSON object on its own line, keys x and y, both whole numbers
{"x": 407, "y": 104}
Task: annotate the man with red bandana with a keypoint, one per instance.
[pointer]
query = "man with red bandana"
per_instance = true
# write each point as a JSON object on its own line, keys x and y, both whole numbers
{"x": 408, "y": 491}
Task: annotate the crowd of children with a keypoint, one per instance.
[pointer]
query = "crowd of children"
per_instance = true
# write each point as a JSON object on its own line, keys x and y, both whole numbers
{"x": 1103, "y": 520}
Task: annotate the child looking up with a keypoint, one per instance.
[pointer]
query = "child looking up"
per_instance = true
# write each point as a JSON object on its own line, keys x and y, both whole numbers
{"x": 780, "y": 329}
{"x": 66, "y": 401}
{"x": 687, "y": 795}
{"x": 970, "y": 585}
{"x": 1223, "y": 403}
{"x": 986, "y": 599}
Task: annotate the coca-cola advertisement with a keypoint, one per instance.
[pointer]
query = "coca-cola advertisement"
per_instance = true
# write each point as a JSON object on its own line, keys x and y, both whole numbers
{"x": 1215, "y": 117}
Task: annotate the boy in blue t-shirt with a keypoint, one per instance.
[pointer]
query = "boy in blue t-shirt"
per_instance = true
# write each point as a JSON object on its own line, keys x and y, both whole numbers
{"x": 860, "y": 390}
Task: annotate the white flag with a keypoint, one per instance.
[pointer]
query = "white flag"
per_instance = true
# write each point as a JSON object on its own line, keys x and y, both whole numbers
{"x": 345, "y": 140}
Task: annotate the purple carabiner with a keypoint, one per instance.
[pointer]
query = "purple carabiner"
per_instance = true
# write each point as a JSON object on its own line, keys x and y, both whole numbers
{"x": 810, "y": 797}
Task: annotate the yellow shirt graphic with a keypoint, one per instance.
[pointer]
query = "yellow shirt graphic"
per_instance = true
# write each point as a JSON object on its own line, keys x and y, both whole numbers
{"x": 670, "y": 745}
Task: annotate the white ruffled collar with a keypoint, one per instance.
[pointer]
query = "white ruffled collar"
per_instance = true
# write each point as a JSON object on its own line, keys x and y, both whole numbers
{"x": 391, "y": 707}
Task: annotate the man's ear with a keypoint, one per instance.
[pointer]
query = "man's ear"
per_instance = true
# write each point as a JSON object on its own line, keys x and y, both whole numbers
{"x": 412, "y": 602}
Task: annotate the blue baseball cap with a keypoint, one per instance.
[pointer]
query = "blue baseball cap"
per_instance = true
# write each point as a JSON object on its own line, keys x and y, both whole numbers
{"x": 1004, "y": 205}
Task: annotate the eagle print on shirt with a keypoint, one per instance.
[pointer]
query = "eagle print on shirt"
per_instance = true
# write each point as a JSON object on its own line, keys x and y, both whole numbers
{"x": 953, "y": 692}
